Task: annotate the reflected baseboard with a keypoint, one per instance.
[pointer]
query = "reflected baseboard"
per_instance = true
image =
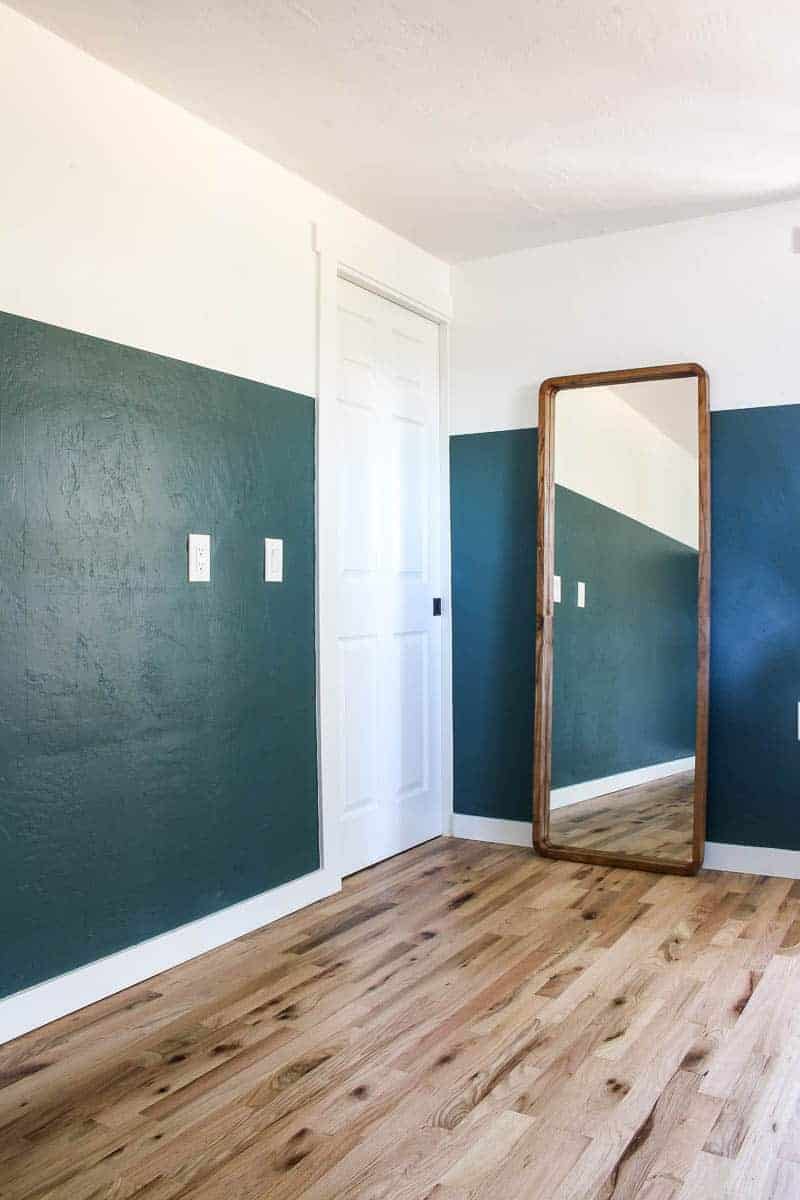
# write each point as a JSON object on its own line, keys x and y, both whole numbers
{"x": 720, "y": 856}
{"x": 576, "y": 792}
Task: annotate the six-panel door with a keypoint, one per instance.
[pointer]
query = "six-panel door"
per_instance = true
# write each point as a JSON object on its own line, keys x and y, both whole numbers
{"x": 389, "y": 642}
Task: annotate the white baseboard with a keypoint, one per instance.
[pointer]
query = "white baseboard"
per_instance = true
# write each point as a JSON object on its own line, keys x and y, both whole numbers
{"x": 576, "y": 792}
{"x": 752, "y": 860}
{"x": 748, "y": 860}
{"x": 45, "y": 1002}
{"x": 492, "y": 829}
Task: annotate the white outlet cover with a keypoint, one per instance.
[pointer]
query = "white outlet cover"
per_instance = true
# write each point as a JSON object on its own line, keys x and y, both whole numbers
{"x": 199, "y": 557}
{"x": 273, "y": 560}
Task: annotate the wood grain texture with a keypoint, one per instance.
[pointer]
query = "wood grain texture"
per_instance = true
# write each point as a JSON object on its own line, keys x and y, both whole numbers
{"x": 543, "y": 684}
{"x": 703, "y": 616}
{"x": 543, "y": 666}
{"x": 656, "y": 819}
{"x": 462, "y": 1021}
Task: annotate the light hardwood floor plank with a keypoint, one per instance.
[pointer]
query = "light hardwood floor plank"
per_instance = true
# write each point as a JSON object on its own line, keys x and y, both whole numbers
{"x": 463, "y": 1022}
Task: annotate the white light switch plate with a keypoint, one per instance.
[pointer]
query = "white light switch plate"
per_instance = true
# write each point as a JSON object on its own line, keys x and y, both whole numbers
{"x": 556, "y": 589}
{"x": 581, "y": 594}
{"x": 199, "y": 557}
{"x": 273, "y": 560}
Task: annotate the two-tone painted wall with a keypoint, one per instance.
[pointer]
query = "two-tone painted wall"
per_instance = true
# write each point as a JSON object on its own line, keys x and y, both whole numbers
{"x": 157, "y": 737}
{"x": 721, "y": 291}
{"x": 159, "y": 748}
{"x": 127, "y": 219}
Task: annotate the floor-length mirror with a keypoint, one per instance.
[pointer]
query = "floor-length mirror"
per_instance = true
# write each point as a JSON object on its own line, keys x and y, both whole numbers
{"x": 623, "y": 626}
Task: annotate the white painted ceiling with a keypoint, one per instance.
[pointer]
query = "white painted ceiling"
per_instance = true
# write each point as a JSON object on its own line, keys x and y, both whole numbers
{"x": 669, "y": 404}
{"x": 477, "y": 127}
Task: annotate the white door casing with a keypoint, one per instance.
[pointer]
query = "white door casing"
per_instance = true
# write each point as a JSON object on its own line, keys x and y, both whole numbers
{"x": 388, "y": 660}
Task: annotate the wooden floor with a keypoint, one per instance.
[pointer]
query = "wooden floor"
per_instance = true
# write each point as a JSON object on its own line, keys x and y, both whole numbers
{"x": 463, "y": 1021}
{"x": 652, "y": 819}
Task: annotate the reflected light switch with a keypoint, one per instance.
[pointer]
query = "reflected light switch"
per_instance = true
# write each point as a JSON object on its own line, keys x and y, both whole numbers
{"x": 273, "y": 560}
{"x": 581, "y": 594}
{"x": 556, "y": 589}
{"x": 199, "y": 557}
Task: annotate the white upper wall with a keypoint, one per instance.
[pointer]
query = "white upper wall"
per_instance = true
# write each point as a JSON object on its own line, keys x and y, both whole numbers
{"x": 598, "y": 433}
{"x": 124, "y": 217}
{"x": 722, "y": 291}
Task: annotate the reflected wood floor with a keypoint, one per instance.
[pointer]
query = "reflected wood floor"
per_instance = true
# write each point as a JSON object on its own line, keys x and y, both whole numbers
{"x": 465, "y": 1020}
{"x": 651, "y": 819}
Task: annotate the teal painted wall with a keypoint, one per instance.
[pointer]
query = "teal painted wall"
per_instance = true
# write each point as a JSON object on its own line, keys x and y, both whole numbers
{"x": 493, "y": 519}
{"x": 157, "y": 739}
{"x": 624, "y": 667}
{"x": 493, "y": 515}
{"x": 754, "y": 752}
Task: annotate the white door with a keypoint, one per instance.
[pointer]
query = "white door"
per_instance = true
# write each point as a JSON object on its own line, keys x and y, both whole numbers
{"x": 388, "y": 640}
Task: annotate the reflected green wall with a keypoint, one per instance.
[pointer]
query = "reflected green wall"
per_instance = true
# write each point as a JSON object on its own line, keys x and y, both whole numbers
{"x": 624, "y": 667}
{"x": 157, "y": 739}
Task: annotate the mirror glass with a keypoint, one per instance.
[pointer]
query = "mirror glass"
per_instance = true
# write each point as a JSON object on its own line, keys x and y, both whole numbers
{"x": 625, "y": 619}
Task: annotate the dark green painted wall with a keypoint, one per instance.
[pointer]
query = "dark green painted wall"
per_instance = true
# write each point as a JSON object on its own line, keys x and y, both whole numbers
{"x": 493, "y": 518}
{"x": 754, "y": 752}
{"x": 157, "y": 739}
{"x": 624, "y": 667}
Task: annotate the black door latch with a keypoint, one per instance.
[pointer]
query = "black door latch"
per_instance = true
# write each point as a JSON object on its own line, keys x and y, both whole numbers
{"x": 437, "y": 606}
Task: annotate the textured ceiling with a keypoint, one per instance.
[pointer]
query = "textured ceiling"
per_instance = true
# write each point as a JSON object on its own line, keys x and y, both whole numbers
{"x": 474, "y": 127}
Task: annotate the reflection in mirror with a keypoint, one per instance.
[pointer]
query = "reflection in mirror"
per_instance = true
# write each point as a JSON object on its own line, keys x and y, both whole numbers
{"x": 625, "y": 627}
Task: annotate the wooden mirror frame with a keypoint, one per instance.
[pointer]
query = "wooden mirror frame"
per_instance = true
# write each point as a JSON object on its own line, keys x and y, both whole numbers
{"x": 545, "y": 556}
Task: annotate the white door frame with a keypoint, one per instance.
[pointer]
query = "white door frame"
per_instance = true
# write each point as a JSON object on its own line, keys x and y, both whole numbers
{"x": 334, "y": 263}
